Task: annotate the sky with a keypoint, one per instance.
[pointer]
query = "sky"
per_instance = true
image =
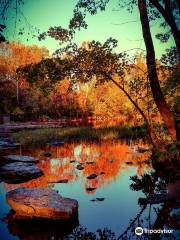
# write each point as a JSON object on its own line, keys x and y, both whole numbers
{"x": 121, "y": 25}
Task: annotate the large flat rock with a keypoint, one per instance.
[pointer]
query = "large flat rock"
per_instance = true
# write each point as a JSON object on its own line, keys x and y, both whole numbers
{"x": 42, "y": 203}
{"x": 18, "y": 172}
{"x": 20, "y": 158}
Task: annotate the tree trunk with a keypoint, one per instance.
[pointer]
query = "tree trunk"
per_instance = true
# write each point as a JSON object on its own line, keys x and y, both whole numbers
{"x": 159, "y": 99}
{"x": 177, "y": 42}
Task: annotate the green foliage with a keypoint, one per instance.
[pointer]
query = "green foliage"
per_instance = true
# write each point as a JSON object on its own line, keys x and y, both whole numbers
{"x": 50, "y": 68}
{"x": 170, "y": 57}
{"x": 58, "y": 33}
{"x": 81, "y": 9}
{"x": 163, "y": 37}
{"x": 80, "y": 64}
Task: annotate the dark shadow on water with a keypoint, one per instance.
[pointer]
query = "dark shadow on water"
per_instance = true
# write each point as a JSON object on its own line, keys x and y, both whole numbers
{"x": 40, "y": 229}
{"x": 162, "y": 190}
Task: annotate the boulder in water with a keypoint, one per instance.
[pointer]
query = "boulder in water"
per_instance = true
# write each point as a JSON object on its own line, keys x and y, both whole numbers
{"x": 19, "y": 172}
{"x": 41, "y": 203}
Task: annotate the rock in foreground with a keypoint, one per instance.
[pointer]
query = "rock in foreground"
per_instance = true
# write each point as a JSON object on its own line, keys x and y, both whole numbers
{"x": 42, "y": 203}
{"x": 18, "y": 172}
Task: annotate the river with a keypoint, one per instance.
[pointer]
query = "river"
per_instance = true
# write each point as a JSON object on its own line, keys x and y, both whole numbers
{"x": 106, "y": 201}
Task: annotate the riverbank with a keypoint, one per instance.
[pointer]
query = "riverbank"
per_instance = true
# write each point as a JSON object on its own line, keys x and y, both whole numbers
{"x": 39, "y": 137}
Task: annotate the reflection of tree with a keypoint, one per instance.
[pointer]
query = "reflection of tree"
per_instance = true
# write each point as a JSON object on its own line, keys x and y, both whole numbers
{"x": 159, "y": 189}
{"x": 146, "y": 183}
{"x": 81, "y": 233}
{"x": 41, "y": 229}
{"x": 105, "y": 160}
{"x": 111, "y": 160}
{"x": 132, "y": 225}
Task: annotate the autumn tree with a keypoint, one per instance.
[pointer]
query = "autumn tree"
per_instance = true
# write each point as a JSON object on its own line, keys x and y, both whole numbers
{"x": 92, "y": 7}
{"x": 12, "y": 56}
{"x": 111, "y": 105}
{"x": 83, "y": 64}
{"x": 148, "y": 11}
{"x": 169, "y": 11}
{"x": 65, "y": 100}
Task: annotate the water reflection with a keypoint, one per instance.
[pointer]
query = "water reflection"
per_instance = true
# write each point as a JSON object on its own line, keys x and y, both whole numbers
{"x": 40, "y": 229}
{"x": 121, "y": 177}
{"x": 107, "y": 161}
{"x": 163, "y": 196}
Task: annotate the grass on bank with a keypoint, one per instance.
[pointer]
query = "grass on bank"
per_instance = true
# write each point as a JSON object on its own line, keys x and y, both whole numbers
{"x": 39, "y": 137}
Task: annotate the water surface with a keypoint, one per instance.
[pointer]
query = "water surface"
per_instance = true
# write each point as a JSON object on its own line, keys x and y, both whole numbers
{"x": 114, "y": 163}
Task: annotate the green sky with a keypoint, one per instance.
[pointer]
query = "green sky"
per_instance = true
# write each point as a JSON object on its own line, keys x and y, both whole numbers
{"x": 110, "y": 23}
